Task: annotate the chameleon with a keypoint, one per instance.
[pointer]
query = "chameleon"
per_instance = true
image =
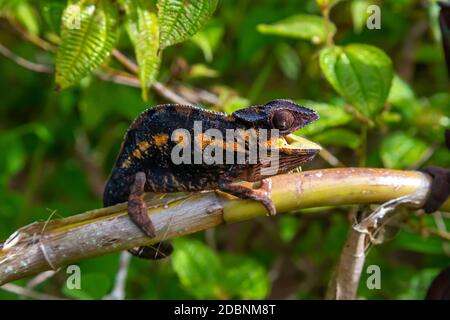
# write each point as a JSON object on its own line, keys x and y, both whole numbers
{"x": 145, "y": 160}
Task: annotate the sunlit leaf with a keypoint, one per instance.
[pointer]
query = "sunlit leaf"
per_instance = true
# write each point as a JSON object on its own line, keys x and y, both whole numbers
{"x": 179, "y": 19}
{"x": 207, "y": 275}
{"x": 300, "y": 26}
{"x": 200, "y": 70}
{"x": 288, "y": 226}
{"x": 235, "y": 103}
{"x": 328, "y": 60}
{"x": 198, "y": 268}
{"x": 400, "y": 150}
{"x": 358, "y": 9}
{"x": 12, "y": 161}
{"x": 245, "y": 278}
{"x": 27, "y": 16}
{"x": 326, "y": 3}
{"x": 52, "y": 11}
{"x": 88, "y": 33}
{"x": 143, "y": 30}
{"x": 402, "y": 97}
{"x": 361, "y": 73}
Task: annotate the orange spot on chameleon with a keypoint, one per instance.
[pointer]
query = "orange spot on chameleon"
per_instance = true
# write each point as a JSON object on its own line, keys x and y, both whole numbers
{"x": 160, "y": 139}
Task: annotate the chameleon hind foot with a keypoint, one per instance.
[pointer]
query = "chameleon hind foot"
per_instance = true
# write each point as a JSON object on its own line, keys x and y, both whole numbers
{"x": 156, "y": 251}
{"x": 137, "y": 209}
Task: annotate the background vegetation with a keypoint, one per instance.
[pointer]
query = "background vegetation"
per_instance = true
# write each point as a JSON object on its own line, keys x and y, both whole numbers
{"x": 68, "y": 97}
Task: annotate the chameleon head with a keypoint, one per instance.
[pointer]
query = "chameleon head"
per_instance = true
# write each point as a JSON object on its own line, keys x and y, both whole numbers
{"x": 286, "y": 116}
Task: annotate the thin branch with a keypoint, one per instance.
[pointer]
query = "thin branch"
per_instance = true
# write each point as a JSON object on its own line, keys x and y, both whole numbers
{"x": 118, "y": 292}
{"x": 31, "y": 249}
{"x": 13, "y": 288}
{"x": 40, "y": 278}
{"x": 122, "y": 79}
{"x": 157, "y": 86}
{"x": 30, "y": 37}
{"x": 36, "y": 67}
{"x": 330, "y": 158}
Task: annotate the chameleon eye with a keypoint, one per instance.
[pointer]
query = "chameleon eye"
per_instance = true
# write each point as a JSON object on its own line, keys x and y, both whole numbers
{"x": 282, "y": 120}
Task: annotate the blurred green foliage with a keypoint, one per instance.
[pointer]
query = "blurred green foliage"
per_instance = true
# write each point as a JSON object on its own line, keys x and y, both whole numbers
{"x": 382, "y": 94}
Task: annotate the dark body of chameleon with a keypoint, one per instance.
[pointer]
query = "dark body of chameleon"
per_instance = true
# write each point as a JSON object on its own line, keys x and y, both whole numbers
{"x": 147, "y": 148}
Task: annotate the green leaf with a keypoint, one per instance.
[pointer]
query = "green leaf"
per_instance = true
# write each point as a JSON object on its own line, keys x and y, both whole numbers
{"x": 207, "y": 275}
{"x": 235, "y": 103}
{"x": 358, "y": 9}
{"x": 198, "y": 268}
{"x": 179, "y": 19}
{"x": 200, "y": 70}
{"x": 339, "y": 136}
{"x": 245, "y": 278}
{"x": 288, "y": 60}
{"x": 402, "y": 97}
{"x": 326, "y": 3}
{"x": 361, "y": 73}
{"x": 300, "y": 26}
{"x": 27, "y": 16}
{"x": 399, "y": 151}
{"x": 88, "y": 33}
{"x": 14, "y": 160}
{"x": 400, "y": 91}
{"x": 328, "y": 59}
{"x": 52, "y": 11}
{"x": 209, "y": 38}
{"x": 414, "y": 242}
{"x": 419, "y": 284}
{"x": 288, "y": 226}
{"x": 143, "y": 30}
{"x": 330, "y": 116}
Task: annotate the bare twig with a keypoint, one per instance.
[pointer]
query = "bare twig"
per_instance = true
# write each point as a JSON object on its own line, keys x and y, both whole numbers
{"x": 157, "y": 86}
{"x": 40, "y": 278}
{"x": 345, "y": 284}
{"x": 30, "y": 37}
{"x": 169, "y": 94}
{"x": 36, "y": 67}
{"x": 13, "y": 288}
{"x": 118, "y": 292}
{"x": 330, "y": 158}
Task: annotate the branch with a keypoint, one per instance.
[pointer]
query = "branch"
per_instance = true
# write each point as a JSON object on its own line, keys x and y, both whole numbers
{"x": 44, "y": 246}
{"x": 157, "y": 86}
{"x": 36, "y": 67}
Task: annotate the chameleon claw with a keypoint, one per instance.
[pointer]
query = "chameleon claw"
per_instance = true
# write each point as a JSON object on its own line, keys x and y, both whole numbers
{"x": 266, "y": 192}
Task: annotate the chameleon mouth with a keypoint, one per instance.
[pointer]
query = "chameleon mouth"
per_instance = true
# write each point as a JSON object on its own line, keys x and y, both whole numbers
{"x": 296, "y": 145}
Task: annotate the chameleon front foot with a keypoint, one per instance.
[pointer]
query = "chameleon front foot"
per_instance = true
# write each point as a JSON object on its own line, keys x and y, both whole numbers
{"x": 262, "y": 194}
{"x": 137, "y": 209}
{"x": 266, "y": 192}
